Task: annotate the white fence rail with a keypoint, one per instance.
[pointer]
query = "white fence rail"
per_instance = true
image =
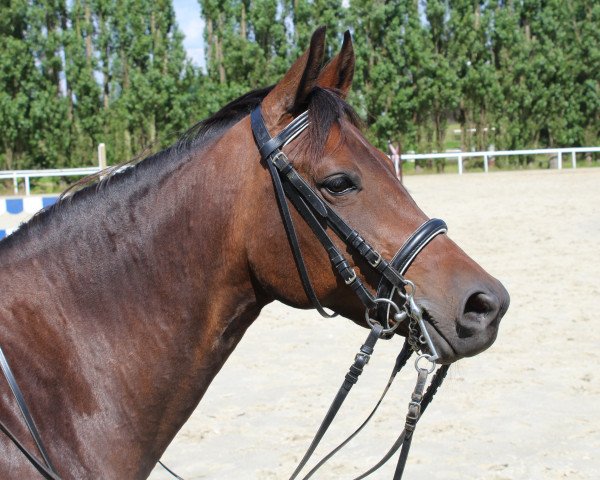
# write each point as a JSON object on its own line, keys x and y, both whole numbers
{"x": 460, "y": 156}
{"x": 26, "y": 175}
{"x": 15, "y": 175}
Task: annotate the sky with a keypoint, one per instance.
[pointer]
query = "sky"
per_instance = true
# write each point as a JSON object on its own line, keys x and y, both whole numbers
{"x": 192, "y": 26}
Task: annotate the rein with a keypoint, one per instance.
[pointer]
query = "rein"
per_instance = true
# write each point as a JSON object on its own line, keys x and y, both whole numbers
{"x": 45, "y": 467}
{"x": 392, "y": 303}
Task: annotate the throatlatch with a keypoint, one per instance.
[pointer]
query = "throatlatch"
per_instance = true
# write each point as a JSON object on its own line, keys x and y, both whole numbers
{"x": 393, "y": 302}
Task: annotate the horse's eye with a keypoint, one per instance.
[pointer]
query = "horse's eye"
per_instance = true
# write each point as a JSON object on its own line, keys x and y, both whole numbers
{"x": 339, "y": 184}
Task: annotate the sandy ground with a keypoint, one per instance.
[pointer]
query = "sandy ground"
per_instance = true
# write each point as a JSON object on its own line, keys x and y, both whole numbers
{"x": 528, "y": 408}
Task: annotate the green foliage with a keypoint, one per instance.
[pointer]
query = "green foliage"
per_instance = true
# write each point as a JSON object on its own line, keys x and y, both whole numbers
{"x": 512, "y": 74}
{"x": 74, "y": 74}
{"x": 515, "y": 74}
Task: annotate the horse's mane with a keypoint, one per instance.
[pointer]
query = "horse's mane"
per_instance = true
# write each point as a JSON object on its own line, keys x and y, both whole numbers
{"x": 325, "y": 108}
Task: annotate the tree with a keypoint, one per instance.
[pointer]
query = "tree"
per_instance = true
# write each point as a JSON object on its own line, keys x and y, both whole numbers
{"x": 18, "y": 77}
{"x": 307, "y": 15}
{"x": 379, "y": 92}
{"x": 478, "y": 94}
{"x": 83, "y": 91}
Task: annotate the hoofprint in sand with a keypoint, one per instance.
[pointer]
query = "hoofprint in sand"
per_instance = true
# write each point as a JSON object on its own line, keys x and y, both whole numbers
{"x": 528, "y": 408}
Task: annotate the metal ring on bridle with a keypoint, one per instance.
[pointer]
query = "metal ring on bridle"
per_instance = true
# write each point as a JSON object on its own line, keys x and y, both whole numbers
{"x": 429, "y": 359}
{"x": 413, "y": 288}
{"x": 392, "y": 304}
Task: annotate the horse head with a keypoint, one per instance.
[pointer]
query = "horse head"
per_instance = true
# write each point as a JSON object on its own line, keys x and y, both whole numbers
{"x": 461, "y": 303}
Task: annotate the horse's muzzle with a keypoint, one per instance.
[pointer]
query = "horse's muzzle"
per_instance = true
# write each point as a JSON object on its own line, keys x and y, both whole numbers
{"x": 476, "y": 325}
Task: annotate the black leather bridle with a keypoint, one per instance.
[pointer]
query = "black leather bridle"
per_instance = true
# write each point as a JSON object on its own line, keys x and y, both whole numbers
{"x": 316, "y": 212}
{"x": 394, "y": 293}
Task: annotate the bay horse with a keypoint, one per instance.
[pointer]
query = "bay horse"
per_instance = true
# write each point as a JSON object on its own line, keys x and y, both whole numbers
{"x": 120, "y": 303}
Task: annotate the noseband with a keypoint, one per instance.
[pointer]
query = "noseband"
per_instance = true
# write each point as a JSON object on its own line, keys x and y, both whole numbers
{"x": 389, "y": 313}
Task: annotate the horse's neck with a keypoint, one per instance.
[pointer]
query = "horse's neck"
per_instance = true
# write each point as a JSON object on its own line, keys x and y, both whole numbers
{"x": 128, "y": 319}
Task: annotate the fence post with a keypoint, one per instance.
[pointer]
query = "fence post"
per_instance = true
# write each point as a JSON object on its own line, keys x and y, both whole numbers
{"x": 573, "y": 159}
{"x": 16, "y": 183}
{"x": 559, "y": 160}
{"x": 485, "y": 163}
{"x": 460, "y": 165}
{"x": 27, "y": 189}
{"x": 101, "y": 156}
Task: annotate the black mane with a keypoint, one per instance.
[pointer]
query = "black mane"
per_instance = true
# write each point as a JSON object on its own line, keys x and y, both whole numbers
{"x": 216, "y": 125}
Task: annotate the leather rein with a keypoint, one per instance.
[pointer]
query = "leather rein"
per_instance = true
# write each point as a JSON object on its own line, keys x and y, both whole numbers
{"x": 392, "y": 304}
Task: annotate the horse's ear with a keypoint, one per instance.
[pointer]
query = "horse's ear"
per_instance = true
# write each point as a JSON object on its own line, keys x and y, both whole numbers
{"x": 338, "y": 73}
{"x": 291, "y": 93}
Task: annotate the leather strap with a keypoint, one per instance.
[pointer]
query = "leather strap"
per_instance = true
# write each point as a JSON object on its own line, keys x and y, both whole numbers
{"x": 14, "y": 387}
{"x": 401, "y": 360}
{"x": 416, "y": 242}
{"x": 431, "y": 391}
{"x": 338, "y": 260}
{"x": 361, "y": 359}
{"x": 403, "y": 456}
{"x": 40, "y": 467}
{"x": 437, "y": 381}
{"x": 173, "y": 474}
{"x": 268, "y": 145}
{"x": 403, "y": 259}
{"x": 263, "y": 139}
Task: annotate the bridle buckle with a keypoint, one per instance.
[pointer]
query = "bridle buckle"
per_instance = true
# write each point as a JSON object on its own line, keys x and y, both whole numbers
{"x": 375, "y": 263}
{"x": 280, "y": 159}
{"x": 350, "y": 279}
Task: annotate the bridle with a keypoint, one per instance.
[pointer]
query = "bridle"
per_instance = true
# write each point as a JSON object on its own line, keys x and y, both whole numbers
{"x": 392, "y": 304}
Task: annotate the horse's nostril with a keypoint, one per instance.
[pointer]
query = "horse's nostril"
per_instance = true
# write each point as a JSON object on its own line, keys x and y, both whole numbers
{"x": 479, "y": 308}
{"x": 480, "y": 316}
{"x": 480, "y": 303}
